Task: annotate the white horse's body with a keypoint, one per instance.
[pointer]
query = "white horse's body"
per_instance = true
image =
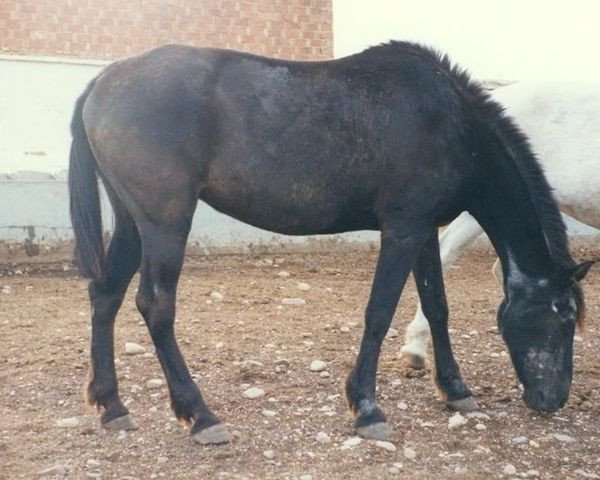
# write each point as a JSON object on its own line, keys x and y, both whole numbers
{"x": 562, "y": 121}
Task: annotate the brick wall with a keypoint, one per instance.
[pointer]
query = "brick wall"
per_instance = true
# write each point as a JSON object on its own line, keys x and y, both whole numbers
{"x": 109, "y": 29}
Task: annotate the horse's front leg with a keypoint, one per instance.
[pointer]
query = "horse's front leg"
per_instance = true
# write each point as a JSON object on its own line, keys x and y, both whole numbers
{"x": 456, "y": 238}
{"x": 398, "y": 250}
{"x": 430, "y": 285}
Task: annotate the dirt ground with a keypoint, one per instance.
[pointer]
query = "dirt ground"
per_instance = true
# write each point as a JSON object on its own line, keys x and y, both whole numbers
{"x": 248, "y": 338}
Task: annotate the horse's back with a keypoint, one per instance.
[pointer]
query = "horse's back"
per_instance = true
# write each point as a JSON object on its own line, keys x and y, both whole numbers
{"x": 294, "y": 147}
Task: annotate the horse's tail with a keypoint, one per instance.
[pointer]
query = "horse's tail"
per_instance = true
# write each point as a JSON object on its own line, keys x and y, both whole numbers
{"x": 84, "y": 197}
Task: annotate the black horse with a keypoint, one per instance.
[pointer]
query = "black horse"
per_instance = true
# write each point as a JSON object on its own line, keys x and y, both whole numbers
{"x": 395, "y": 139}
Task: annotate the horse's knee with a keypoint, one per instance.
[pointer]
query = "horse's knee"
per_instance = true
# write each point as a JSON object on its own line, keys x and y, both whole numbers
{"x": 436, "y": 314}
{"x": 142, "y": 301}
{"x": 158, "y": 309}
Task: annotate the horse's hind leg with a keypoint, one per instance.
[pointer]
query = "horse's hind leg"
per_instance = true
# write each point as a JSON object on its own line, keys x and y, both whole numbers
{"x": 163, "y": 248}
{"x": 430, "y": 285}
{"x": 106, "y": 295}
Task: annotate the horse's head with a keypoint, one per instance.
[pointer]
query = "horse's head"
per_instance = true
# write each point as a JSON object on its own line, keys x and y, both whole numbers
{"x": 537, "y": 320}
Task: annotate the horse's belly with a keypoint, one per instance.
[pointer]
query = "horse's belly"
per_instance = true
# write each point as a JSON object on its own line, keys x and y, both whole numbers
{"x": 292, "y": 209}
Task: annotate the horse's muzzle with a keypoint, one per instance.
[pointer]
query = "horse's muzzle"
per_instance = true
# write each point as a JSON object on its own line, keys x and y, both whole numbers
{"x": 546, "y": 399}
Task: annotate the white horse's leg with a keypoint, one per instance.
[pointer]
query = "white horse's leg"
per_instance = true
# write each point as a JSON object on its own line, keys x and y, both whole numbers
{"x": 497, "y": 272}
{"x": 460, "y": 233}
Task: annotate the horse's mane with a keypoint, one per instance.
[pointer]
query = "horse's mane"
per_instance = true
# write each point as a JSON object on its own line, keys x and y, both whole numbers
{"x": 513, "y": 139}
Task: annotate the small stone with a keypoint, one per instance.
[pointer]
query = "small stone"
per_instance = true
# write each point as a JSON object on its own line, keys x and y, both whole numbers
{"x": 284, "y": 274}
{"x": 351, "y": 442}
{"x": 268, "y": 413}
{"x": 397, "y": 465}
{"x": 392, "y": 333}
{"x": 293, "y": 301}
{"x": 495, "y": 355}
{"x": 480, "y": 426}
{"x": 402, "y": 406}
{"x": 478, "y": 415}
{"x": 563, "y": 438}
{"x": 92, "y": 463}
{"x": 305, "y": 287}
{"x": 68, "y": 422}
{"x": 534, "y": 444}
{"x": 410, "y": 453}
{"x": 6, "y": 290}
{"x": 132, "y": 348}
{"x": 520, "y": 440}
{"x": 254, "y": 392}
{"x": 389, "y": 446}
{"x": 582, "y": 473}
{"x": 533, "y": 473}
{"x": 216, "y": 296}
{"x": 282, "y": 366}
{"x": 250, "y": 364}
{"x": 456, "y": 420}
{"x": 509, "y": 470}
{"x": 306, "y": 476}
{"x": 345, "y": 329}
{"x": 270, "y": 454}
{"x": 154, "y": 383}
{"x": 322, "y": 437}
{"x": 58, "y": 470}
{"x": 394, "y": 470}
{"x": 219, "y": 345}
{"x": 162, "y": 460}
{"x": 318, "y": 366}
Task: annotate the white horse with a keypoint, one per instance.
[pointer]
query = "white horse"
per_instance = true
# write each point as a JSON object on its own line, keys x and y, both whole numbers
{"x": 562, "y": 121}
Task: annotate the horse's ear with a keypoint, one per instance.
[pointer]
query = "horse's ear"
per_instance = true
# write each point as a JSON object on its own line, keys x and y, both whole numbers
{"x": 578, "y": 272}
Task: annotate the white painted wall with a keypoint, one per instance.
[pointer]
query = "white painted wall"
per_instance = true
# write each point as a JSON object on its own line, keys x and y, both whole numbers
{"x": 494, "y": 39}
{"x": 36, "y": 101}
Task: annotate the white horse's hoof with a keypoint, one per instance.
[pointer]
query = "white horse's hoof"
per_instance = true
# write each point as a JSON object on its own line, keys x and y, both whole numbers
{"x": 413, "y": 361}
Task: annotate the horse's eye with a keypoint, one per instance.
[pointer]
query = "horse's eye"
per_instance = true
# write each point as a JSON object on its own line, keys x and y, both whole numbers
{"x": 566, "y": 310}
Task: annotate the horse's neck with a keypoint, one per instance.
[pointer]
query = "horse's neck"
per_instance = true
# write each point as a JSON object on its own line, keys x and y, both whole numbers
{"x": 508, "y": 215}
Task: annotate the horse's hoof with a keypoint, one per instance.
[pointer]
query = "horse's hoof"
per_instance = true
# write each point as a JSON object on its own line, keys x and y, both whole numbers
{"x": 212, "y": 435}
{"x": 375, "y": 431}
{"x": 467, "y": 404}
{"x": 413, "y": 361}
{"x": 124, "y": 422}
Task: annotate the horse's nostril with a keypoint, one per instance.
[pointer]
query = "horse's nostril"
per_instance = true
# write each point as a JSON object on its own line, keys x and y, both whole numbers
{"x": 540, "y": 397}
